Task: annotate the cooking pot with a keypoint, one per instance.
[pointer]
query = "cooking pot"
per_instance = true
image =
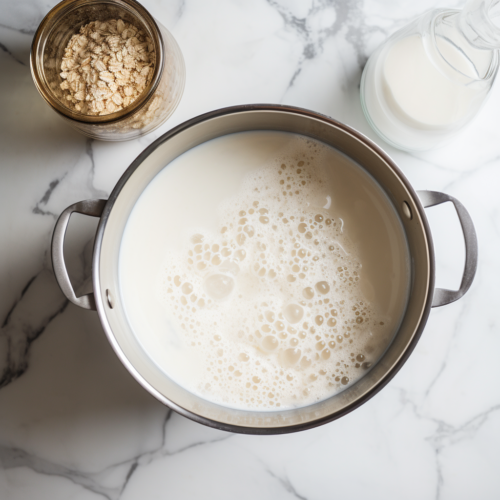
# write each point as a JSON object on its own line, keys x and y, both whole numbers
{"x": 114, "y": 212}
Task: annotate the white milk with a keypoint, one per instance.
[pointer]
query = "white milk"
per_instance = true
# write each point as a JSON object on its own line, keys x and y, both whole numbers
{"x": 264, "y": 270}
{"x": 414, "y": 100}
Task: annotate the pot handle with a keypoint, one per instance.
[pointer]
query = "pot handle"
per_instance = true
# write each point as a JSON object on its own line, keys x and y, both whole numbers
{"x": 441, "y": 295}
{"x": 93, "y": 208}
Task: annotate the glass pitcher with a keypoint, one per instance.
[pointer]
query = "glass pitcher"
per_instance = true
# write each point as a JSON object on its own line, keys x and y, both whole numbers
{"x": 430, "y": 78}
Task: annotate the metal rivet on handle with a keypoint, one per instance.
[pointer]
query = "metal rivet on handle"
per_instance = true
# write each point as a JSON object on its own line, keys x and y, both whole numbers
{"x": 109, "y": 298}
{"x": 406, "y": 210}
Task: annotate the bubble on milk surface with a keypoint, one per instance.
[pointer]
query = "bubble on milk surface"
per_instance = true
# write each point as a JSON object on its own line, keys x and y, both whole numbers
{"x": 273, "y": 301}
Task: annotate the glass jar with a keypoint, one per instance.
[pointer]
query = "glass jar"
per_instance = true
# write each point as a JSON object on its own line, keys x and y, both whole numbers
{"x": 430, "y": 78}
{"x": 151, "y": 108}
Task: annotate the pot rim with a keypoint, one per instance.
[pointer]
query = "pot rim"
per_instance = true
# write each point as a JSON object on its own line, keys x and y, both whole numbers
{"x": 99, "y": 299}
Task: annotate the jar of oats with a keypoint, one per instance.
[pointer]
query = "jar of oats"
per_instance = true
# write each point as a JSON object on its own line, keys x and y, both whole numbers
{"x": 107, "y": 67}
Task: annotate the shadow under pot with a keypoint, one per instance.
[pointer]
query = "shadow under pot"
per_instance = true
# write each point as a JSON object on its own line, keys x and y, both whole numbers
{"x": 158, "y": 57}
{"x": 406, "y": 204}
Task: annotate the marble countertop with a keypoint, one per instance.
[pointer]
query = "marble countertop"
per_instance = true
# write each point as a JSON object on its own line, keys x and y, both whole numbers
{"x": 75, "y": 425}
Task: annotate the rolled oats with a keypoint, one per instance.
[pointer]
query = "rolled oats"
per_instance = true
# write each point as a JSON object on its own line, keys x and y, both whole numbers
{"x": 106, "y": 67}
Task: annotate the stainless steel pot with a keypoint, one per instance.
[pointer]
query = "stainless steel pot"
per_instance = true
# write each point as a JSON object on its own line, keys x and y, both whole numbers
{"x": 114, "y": 212}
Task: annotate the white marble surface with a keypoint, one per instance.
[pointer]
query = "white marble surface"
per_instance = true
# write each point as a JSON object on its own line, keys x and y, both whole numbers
{"x": 75, "y": 425}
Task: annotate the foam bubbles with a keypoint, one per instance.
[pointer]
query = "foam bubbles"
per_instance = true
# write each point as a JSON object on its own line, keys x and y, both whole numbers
{"x": 218, "y": 286}
{"x": 293, "y": 313}
{"x": 272, "y": 300}
{"x": 322, "y": 287}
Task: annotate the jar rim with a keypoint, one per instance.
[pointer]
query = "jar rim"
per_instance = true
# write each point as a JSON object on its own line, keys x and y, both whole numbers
{"x": 52, "y": 20}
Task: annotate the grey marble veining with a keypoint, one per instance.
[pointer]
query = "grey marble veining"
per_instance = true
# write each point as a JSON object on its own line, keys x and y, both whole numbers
{"x": 73, "y": 422}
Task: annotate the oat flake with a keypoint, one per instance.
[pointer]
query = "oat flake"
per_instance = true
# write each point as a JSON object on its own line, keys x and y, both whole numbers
{"x": 106, "y": 67}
